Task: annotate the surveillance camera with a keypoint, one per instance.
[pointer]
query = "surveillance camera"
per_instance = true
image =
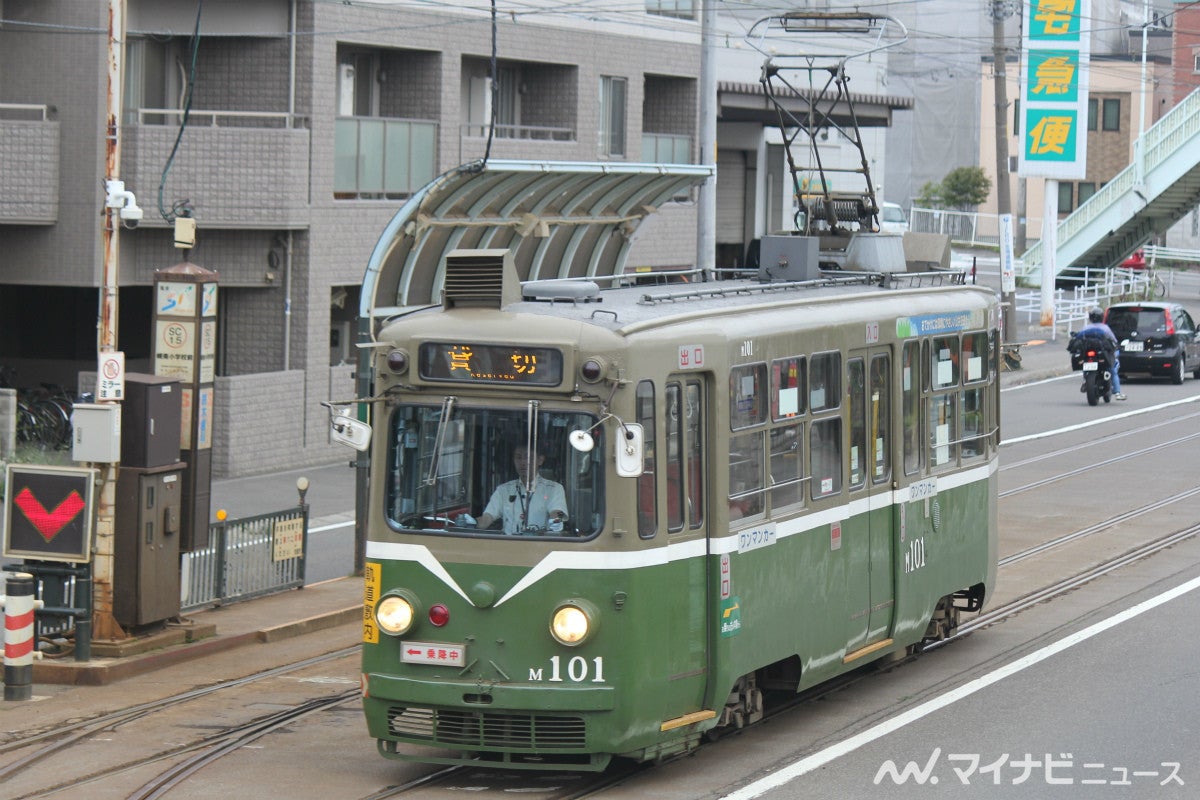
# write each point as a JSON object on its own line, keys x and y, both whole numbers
{"x": 131, "y": 215}
{"x": 115, "y": 196}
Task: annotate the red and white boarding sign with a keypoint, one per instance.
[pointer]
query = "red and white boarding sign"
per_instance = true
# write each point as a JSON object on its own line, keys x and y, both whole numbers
{"x": 433, "y": 653}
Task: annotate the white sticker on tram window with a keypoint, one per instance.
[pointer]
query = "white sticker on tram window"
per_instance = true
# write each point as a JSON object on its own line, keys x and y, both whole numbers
{"x": 907, "y": 378}
{"x": 826, "y": 485}
{"x": 755, "y": 538}
{"x": 945, "y": 373}
{"x": 691, "y": 356}
{"x": 974, "y": 368}
{"x": 789, "y": 402}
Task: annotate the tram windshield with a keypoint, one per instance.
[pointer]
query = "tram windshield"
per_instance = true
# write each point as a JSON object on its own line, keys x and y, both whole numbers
{"x": 464, "y": 471}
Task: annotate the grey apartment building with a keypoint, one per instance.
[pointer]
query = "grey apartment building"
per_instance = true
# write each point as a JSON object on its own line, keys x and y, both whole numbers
{"x": 309, "y": 122}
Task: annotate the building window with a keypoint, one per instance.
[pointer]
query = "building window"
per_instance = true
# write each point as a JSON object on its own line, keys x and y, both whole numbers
{"x": 1086, "y": 190}
{"x": 612, "y": 115}
{"x": 1066, "y": 197}
{"x": 682, "y": 9}
{"x": 1093, "y": 113}
{"x": 1112, "y": 115}
{"x": 1196, "y": 63}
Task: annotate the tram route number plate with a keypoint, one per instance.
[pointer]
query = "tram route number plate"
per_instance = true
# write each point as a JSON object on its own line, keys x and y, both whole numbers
{"x": 454, "y": 655}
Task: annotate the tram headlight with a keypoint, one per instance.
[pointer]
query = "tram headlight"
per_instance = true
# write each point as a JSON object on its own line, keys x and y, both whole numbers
{"x": 397, "y": 361}
{"x": 593, "y": 369}
{"x": 395, "y": 615}
{"x": 573, "y": 622}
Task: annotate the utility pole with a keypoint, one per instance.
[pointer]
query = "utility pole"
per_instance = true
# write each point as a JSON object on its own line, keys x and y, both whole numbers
{"x": 1000, "y": 11}
{"x": 104, "y": 624}
{"x": 706, "y": 205}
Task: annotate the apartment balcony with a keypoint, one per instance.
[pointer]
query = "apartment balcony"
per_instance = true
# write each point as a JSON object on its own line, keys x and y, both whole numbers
{"x": 383, "y": 157}
{"x": 666, "y": 148}
{"x": 236, "y": 169}
{"x": 30, "y": 151}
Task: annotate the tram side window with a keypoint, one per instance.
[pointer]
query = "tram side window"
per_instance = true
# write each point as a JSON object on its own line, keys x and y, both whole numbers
{"x": 973, "y": 423}
{"x": 825, "y": 452}
{"x": 824, "y": 376}
{"x": 695, "y": 452}
{"x": 746, "y": 475}
{"x": 880, "y": 416}
{"x": 790, "y": 398}
{"x": 674, "y": 476}
{"x": 857, "y": 407}
{"x": 787, "y": 466}
{"x": 648, "y": 480}
{"x": 910, "y": 396}
{"x": 945, "y": 362}
{"x": 975, "y": 357}
{"x": 943, "y": 447}
{"x": 747, "y": 396}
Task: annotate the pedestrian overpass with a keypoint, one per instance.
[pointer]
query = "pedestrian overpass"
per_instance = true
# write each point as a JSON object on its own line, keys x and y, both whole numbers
{"x": 1147, "y": 197}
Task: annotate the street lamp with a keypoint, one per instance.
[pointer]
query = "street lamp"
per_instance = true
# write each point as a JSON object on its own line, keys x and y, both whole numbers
{"x": 302, "y": 488}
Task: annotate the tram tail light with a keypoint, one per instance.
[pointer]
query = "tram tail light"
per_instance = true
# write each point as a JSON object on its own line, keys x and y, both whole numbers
{"x": 439, "y": 615}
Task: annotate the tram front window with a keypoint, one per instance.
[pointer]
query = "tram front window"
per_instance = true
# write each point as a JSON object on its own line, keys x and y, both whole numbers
{"x": 463, "y": 471}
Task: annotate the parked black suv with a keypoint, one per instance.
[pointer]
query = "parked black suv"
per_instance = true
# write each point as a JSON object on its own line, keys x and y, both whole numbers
{"x": 1158, "y": 338}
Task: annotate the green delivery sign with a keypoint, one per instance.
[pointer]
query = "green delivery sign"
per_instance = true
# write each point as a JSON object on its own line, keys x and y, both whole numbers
{"x": 1054, "y": 90}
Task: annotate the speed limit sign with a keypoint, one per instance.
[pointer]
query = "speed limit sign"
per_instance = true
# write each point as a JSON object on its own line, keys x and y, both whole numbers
{"x": 110, "y": 377}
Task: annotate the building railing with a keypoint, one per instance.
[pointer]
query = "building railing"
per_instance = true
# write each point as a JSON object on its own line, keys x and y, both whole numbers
{"x": 546, "y": 133}
{"x": 220, "y": 119}
{"x": 246, "y": 558}
{"x": 383, "y": 157}
{"x": 666, "y": 148}
{"x": 32, "y": 112}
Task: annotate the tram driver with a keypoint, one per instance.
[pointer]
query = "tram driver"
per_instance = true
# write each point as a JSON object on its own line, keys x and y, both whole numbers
{"x": 527, "y": 504}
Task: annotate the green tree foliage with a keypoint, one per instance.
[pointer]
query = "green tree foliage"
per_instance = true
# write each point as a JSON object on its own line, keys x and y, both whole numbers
{"x": 963, "y": 188}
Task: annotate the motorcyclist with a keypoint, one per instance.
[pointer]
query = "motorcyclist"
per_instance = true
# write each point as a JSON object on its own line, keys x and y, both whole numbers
{"x": 1097, "y": 329}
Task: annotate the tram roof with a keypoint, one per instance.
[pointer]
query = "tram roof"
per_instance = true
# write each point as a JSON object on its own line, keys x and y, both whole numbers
{"x": 558, "y": 219}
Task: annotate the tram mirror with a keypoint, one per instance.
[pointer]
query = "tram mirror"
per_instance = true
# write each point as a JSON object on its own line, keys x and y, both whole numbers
{"x": 344, "y": 429}
{"x": 629, "y": 440}
{"x": 581, "y": 441}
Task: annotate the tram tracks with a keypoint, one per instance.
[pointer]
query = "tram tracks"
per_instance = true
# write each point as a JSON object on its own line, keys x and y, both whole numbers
{"x": 54, "y": 740}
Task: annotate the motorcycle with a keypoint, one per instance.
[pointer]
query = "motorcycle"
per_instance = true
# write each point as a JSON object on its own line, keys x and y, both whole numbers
{"x": 1093, "y": 356}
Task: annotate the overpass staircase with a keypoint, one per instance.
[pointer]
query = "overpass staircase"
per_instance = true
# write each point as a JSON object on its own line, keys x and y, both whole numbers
{"x": 1146, "y": 198}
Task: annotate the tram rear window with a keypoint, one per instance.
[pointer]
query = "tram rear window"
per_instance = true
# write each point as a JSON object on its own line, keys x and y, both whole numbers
{"x": 464, "y": 362}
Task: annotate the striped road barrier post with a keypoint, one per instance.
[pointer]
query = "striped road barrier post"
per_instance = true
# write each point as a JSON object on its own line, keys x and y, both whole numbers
{"x": 19, "y": 605}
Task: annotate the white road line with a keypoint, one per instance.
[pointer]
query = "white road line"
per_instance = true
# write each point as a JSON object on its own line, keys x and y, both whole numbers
{"x": 333, "y": 526}
{"x": 820, "y": 759}
{"x": 1111, "y": 418}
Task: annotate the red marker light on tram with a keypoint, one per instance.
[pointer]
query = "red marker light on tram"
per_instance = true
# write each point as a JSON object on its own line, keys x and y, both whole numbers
{"x": 439, "y": 615}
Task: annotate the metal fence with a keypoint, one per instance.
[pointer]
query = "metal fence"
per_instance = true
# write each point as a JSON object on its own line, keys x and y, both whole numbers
{"x": 969, "y": 228}
{"x": 1096, "y": 288}
{"x": 246, "y": 558}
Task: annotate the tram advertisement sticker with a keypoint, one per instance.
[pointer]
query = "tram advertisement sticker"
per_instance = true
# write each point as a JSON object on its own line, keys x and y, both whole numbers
{"x": 731, "y": 617}
{"x": 49, "y": 514}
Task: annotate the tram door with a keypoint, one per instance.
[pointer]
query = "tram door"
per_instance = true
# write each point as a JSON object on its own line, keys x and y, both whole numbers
{"x": 870, "y": 563}
{"x": 684, "y": 454}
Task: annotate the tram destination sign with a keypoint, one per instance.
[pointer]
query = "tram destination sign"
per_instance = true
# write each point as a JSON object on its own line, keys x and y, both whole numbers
{"x": 464, "y": 362}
